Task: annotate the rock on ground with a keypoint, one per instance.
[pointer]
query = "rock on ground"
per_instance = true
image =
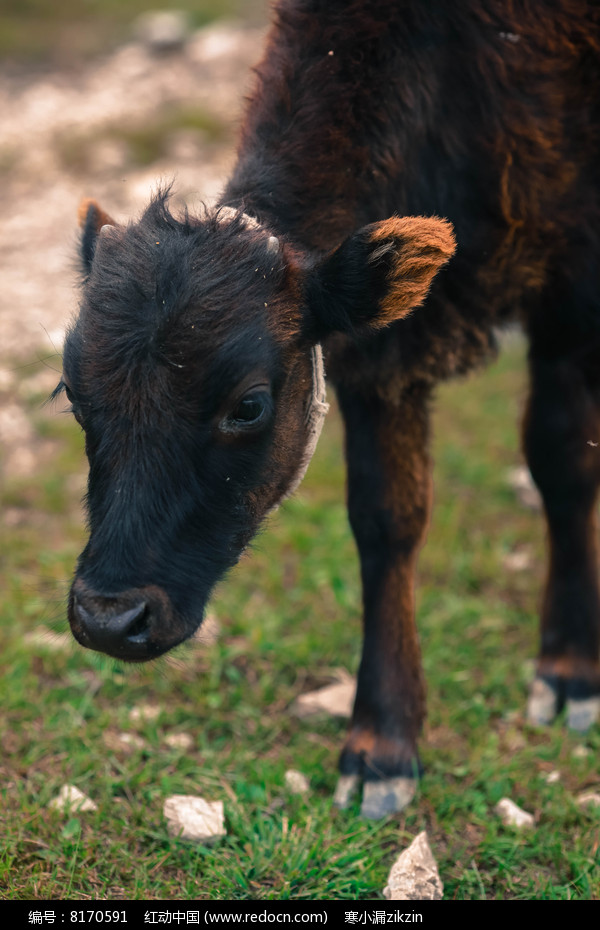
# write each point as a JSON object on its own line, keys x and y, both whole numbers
{"x": 296, "y": 782}
{"x": 336, "y": 699}
{"x": 193, "y": 818}
{"x": 512, "y": 815}
{"x": 144, "y": 712}
{"x": 181, "y": 741}
{"x": 552, "y": 777}
{"x": 589, "y": 800}
{"x": 71, "y": 798}
{"x": 521, "y": 560}
{"x": 123, "y": 742}
{"x": 414, "y": 875}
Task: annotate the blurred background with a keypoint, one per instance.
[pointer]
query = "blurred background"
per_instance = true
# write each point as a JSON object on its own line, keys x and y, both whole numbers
{"x": 100, "y": 98}
{"x": 103, "y": 99}
{"x": 67, "y": 34}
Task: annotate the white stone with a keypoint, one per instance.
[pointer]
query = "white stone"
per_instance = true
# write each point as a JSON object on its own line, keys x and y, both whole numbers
{"x": 589, "y": 799}
{"x": 193, "y": 818}
{"x": 336, "y": 699}
{"x": 518, "y": 561}
{"x": 144, "y": 712}
{"x": 552, "y": 777}
{"x": 71, "y": 798}
{"x": 512, "y": 815}
{"x": 414, "y": 875}
{"x": 181, "y": 741}
{"x": 581, "y": 752}
{"x": 296, "y": 782}
{"x": 132, "y": 739}
{"x": 128, "y": 742}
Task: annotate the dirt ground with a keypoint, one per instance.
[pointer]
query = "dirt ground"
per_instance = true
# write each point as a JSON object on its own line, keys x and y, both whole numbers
{"x": 63, "y": 137}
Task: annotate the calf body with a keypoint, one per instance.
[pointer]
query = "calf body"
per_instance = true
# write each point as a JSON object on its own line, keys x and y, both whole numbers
{"x": 193, "y": 364}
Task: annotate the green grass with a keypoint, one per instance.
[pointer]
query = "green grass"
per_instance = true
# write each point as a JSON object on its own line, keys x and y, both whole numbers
{"x": 290, "y": 614}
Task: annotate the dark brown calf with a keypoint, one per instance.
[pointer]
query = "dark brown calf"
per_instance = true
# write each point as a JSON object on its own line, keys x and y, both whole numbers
{"x": 194, "y": 366}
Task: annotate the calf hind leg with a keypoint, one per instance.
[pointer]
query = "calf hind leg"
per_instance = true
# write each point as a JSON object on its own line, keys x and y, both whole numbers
{"x": 562, "y": 445}
{"x": 389, "y": 495}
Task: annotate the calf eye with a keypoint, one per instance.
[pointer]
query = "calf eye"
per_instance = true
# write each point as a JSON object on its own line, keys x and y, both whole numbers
{"x": 251, "y": 412}
{"x": 74, "y": 408}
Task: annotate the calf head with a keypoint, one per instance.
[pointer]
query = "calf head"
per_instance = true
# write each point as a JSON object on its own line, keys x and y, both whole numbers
{"x": 193, "y": 368}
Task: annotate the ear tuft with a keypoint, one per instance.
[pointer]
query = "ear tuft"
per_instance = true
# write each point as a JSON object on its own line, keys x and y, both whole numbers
{"x": 91, "y": 219}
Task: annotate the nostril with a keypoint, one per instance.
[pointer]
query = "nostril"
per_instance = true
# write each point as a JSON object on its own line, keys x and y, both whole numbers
{"x": 80, "y": 610}
{"x": 139, "y": 622}
{"x": 131, "y": 624}
{"x": 82, "y": 615}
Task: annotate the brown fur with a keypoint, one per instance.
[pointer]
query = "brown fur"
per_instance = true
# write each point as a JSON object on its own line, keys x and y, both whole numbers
{"x": 423, "y": 245}
{"x": 90, "y": 207}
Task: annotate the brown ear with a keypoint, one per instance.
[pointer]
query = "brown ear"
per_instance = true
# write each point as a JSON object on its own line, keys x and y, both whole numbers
{"x": 91, "y": 220}
{"x": 378, "y": 275}
{"x": 415, "y": 247}
{"x": 90, "y": 213}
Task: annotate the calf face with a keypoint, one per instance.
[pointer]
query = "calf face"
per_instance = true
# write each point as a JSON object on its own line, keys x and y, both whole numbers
{"x": 193, "y": 371}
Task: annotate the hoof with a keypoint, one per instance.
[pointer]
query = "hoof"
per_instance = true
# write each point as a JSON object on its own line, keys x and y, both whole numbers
{"x": 583, "y": 713}
{"x": 543, "y": 704}
{"x": 549, "y": 694}
{"x": 379, "y": 798}
{"x": 387, "y": 797}
{"x": 345, "y": 790}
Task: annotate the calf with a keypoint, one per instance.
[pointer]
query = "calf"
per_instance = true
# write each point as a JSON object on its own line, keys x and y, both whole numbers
{"x": 195, "y": 366}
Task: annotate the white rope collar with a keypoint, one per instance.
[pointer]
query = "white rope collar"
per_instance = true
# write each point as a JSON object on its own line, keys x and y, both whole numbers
{"x": 317, "y": 406}
{"x": 316, "y": 410}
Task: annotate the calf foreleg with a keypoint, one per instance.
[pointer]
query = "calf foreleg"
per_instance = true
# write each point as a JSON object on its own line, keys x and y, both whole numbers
{"x": 389, "y": 498}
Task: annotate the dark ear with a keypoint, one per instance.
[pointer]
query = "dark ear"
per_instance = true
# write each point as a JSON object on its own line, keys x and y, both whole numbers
{"x": 378, "y": 275}
{"x": 91, "y": 220}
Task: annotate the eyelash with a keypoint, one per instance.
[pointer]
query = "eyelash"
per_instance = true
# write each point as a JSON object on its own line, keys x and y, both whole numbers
{"x": 58, "y": 390}
{"x": 62, "y": 388}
